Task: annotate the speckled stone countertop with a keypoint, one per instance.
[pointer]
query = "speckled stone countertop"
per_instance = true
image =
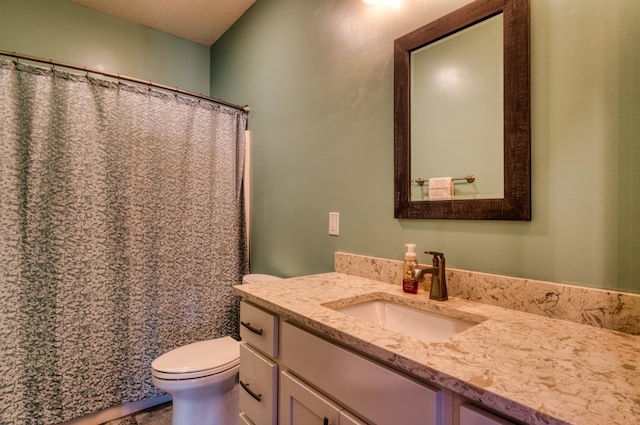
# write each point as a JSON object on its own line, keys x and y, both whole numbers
{"x": 534, "y": 369}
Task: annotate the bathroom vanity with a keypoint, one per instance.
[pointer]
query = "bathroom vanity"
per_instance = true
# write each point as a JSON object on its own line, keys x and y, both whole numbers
{"x": 310, "y": 354}
{"x": 307, "y": 362}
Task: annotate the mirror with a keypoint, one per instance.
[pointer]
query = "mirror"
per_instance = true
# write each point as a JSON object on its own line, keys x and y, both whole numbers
{"x": 459, "y": 79}
{"x": 474, "y": 116}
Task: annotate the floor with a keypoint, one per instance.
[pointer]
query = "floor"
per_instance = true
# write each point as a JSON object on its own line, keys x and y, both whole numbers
{"x": 158, "y": 415}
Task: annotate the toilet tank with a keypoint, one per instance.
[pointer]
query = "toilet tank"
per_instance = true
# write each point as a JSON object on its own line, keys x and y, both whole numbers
{"x": 257, "y": 278}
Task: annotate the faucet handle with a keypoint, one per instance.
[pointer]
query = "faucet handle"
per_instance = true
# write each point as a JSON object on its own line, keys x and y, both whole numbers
{"x": 437, "y": 256}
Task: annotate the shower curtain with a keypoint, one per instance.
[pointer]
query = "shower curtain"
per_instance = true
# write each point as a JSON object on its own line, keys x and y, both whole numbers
{"x": 121, "y": 235}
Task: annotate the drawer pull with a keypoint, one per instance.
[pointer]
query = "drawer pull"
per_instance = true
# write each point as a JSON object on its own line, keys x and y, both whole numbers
{"x": 251, "y": 328}
{"x": 251, "y": 393}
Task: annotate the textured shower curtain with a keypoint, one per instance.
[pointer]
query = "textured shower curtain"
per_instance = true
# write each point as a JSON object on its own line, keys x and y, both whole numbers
{"x": 121, "y": 235}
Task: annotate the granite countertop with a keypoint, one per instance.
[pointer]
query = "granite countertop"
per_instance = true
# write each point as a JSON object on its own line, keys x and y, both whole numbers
{"x": 531, "y": 368}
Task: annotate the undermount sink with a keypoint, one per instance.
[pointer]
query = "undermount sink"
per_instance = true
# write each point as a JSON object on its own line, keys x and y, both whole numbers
{"x": 420, "y": 324}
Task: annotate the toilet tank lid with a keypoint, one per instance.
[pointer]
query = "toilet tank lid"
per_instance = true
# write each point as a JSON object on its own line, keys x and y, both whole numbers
{"x": 199, "y": 356}
{"x": 257, "y": 278}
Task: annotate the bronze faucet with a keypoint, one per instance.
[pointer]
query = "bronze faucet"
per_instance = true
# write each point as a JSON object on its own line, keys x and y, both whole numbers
{"x": 438, "y": 290}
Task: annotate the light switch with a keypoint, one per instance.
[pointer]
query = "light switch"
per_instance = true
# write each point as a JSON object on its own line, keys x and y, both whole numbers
{"x": 334, "y": 223}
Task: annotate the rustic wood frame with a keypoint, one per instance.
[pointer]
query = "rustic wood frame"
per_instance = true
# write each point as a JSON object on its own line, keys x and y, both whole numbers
{"x": 516, "y": 204}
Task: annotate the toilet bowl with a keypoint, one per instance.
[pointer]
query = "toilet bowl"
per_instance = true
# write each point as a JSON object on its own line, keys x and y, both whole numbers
{"x": 202, "y": 378}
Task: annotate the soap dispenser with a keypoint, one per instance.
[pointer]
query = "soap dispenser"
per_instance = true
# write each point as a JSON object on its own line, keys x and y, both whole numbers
{"x": 409, "y": 283}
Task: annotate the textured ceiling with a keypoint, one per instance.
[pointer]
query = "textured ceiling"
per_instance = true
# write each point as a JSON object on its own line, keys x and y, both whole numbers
{"x": 202, "y": 21}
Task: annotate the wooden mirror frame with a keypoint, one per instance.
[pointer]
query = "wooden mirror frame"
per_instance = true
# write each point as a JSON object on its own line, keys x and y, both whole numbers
{"x": 516, "y": 203}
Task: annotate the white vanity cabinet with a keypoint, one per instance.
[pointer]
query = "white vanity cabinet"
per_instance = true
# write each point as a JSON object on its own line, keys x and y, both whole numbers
{"x": 258, "y": 366}
{"x": 291, "y": 376}
{"x": 372, "y": 391}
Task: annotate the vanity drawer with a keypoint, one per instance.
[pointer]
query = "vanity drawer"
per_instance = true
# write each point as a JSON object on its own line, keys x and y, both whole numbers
{"x": 259, "y": 387}
{"x": 369, "y": 389}
{"x": 259, "y": 328}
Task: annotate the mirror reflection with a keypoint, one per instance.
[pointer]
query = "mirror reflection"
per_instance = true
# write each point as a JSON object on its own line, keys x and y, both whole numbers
{"x": 457, "y": 113}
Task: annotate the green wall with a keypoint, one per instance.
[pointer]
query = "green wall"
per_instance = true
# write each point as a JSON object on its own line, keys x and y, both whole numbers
{"x": 318, "y": 75}
{"x": 70, "y": 33}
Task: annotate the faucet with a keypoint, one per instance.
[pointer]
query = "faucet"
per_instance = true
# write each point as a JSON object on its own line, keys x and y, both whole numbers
{"x": 438, "y": 290}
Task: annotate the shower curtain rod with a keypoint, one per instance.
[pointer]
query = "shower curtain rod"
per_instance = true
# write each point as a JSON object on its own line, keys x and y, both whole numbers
{"x": 121, "y": 77}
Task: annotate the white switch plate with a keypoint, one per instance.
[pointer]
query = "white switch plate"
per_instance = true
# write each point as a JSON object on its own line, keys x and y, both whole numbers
{"x": 334, "y": 223}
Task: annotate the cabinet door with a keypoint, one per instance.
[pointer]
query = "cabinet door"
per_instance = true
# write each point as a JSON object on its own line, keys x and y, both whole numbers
{"x": 472, "y": 415}
{"x": 259, "y": 389}
{"x": 301, "y": 405}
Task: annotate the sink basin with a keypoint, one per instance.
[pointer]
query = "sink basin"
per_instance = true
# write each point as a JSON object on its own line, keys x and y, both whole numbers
{"x": 420, "y": 324}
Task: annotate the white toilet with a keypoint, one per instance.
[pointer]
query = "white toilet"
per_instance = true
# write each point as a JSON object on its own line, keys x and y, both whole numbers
{"x": 202, "y": 377}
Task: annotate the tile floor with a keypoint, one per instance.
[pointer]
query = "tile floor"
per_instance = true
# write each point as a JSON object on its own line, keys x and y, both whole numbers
{"x": 158, "y": 415}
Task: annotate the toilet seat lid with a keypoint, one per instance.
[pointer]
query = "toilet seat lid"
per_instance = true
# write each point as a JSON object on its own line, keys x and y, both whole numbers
{"x": 198, "y": 359}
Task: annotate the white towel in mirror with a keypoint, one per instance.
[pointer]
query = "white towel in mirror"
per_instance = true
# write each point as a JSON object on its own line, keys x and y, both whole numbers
{"x": 440, "y": 188}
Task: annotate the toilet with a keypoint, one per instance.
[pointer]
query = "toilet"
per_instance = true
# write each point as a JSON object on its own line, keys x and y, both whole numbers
{"x": 202, "y": 377}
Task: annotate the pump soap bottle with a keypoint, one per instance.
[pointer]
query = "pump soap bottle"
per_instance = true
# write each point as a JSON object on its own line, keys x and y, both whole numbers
{"x": 409, "y": 283}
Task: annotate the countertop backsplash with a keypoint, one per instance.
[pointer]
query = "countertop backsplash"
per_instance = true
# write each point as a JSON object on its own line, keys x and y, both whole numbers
{"x": 619, "y": 311}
